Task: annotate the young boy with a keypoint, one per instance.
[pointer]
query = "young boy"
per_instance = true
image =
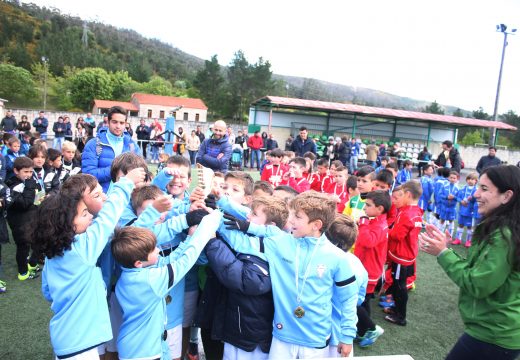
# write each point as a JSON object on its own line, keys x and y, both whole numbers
{"x": 13, "y": 147}
{"x": 239, "y": 187}
{"x": 425, "y": 202}
{"x": 342, "y": 233}
{"x": 321, "y": 179}
{"x": 384, "y": 161}
{"x": 145, "y": 283}
{"x": 20, "y": 212}
{"x": 338, "y": 188}
{"x": 320, "y": 272}
{"x": 47, "y": 180}
{"x": 70, "y": 165}
{"x": 464, "y": 198}
{"x": 403, "y": 246}
{"x": 294, "y": 177}
{"x": 247, "y": 280}
{"x": 54, "y": 162}
{"x": 405, "y": 174}
{"x": 354, "y": 207}
{"x": 438, "y": 184}
{"x": 273, "y": 172}
{"x": 384, "y": 181}
{"x": 262, "y": 188}
{"x": 449, "y": 200}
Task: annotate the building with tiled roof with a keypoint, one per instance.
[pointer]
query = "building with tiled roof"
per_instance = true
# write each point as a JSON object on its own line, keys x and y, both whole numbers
{"x": 157, "y": 107}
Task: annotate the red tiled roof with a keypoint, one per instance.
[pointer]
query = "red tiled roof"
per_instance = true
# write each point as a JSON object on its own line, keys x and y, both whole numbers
{"x": 379, "y": 112}
{"x": 107, "y": 104}
{"x": 172, "y": 101}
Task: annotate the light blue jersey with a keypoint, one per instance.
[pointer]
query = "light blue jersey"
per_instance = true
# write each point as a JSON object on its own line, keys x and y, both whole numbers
{"x": 74, "y": 285}
{"x": 143, "y": 293}
{"x": 322, "y": 267}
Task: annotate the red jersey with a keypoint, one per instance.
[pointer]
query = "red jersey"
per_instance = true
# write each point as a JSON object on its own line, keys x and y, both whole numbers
{"x": 341, "y": 192}
{"x": 255, "y": 142}
{"x": 371, "y": 248}
{"x": 320, "y": 182}
{"x": 391, "y": 215}
{"x": 273, "y": 174}
{"x": 299, "y": 185}
{"x": 403, "y": 238}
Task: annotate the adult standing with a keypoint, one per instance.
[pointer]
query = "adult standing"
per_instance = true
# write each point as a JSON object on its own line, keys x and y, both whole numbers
{"x": 68, "y": 128}
{"x": 58, "y": 128}
{"x": 193, "y": 145}
{"x": 231, "y": 136}
{"x": 343, "y": 151}
{"x": 489, "y": 160}
{"x": 372, "y": 151}
{"x": 255, "y": 143}
{"x": 449, "y": 157}
{"x": 215, "y": 152}
{"x": 199, "y": 133}
{"x": 8, "y": 123}
{"x": 303, "y": 143}
{"x": 24, "y": 124}
{"x": 271, "y": 143}
{"x": 104, "y": 124}
{"x": 354, "y": 154}
{"x": 110, "y": 142}
{"x": 143, "y": 135}
{"x": 180, "y": 140}
{"x": 424, "y": 158}
{"x": 128, "y": 129}
{"x": 246, "y": 148}
{"x": 288, "y": 143}
{"x": 489, "y": 279}
{"x": 40, "y": 125}
{"x": 89, "y": 123}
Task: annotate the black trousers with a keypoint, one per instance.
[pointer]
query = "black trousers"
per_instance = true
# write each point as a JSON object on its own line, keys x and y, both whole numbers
{"x": 364, "y": 320}
{"x": 398, "y": 288}
{"x": 246, "y": 157}
{"x": 213, "y": 349}
{"x": 467, "y": 347}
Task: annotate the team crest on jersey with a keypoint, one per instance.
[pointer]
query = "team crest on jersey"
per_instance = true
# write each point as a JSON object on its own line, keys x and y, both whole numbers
{"x": 418, "y": 224}
{"x": 321, "y": 270}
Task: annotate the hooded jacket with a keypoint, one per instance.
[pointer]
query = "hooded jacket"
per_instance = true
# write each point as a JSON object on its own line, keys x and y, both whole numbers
{"x": 209, "y": 151}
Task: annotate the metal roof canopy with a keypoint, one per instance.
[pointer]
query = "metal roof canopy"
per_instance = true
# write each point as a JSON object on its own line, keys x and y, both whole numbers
{"x": 368, "y": 111}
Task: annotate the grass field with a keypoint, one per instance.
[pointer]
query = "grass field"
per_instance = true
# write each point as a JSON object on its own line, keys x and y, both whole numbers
{"x": 433, "y": 319}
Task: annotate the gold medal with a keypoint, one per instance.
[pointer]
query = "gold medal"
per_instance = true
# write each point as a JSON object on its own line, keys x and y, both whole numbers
{"x": 299, "y": 312}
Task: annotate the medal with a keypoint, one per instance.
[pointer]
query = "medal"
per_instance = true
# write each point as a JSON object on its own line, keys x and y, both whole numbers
{"x": 299, "y": 312}
{"x": 168, "y": 299}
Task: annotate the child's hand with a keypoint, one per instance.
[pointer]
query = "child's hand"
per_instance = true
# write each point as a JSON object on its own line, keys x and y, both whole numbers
{"x": 197, "y": 194}
{"x": 451, "y": 197}
{"x": 163, "y": 203}
{"x": 198, "y": 205}
{"x": 137, "y": 176}
{"x": 464, "y": 202}
{"x": 344, "y": 349}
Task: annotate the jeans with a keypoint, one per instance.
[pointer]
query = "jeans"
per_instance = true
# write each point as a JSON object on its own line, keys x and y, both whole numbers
{"x": 57, "y": 143}
{"x": 155, "y": 153}
{"x": 255, "y": 154}
{"x": 43, "y": 136}
{"x": 193, "y": 155}
{"x": 467, "y": 347}
{"x": 353, "y": 163}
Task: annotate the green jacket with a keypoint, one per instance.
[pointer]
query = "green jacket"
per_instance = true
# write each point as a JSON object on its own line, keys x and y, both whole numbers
{"x": 489, "y": 299}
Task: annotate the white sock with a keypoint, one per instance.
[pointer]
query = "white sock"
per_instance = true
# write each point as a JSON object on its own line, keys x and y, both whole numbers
{"x": 469, "y": 234}
{"x": 450, "y": 227}
{"x": 459, "y": 233}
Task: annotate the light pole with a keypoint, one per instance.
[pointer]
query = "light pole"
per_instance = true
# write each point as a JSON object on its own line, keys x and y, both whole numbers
{"x": 45, "y": 62}
{"x": 503, "y": 29}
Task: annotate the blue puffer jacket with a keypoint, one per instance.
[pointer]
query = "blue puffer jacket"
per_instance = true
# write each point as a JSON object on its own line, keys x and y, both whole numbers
{"x": 98, "y": 155}
{"x": 300, "y": 147}
{"x": 210, "y": 149}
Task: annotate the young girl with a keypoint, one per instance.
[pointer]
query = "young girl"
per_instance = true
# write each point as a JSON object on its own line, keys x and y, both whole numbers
{"x": 48, "y": 181}
{"x": 71, "y": 242}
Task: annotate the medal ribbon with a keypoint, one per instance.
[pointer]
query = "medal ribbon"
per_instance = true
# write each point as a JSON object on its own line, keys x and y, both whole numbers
{"x": 306, "y": 274}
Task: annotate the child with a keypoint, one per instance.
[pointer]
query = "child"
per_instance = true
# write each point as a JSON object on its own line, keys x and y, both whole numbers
{"x": 54, "y": 162}
{"x": 405, "y": 174}
{"x": 294, "y": 177}
{"x": 338, "y": 188}
{"x": 354, "y": 207}
{"x": 218, "y": 186}
{"x": 13, "y": 147}
{"x": 20, "y": 213}
{"x": 403, "y": 246}
{"x": 425, "y": 202}
{"x": 321, "y": 179}
{"x": 384, "y": 181}
{"x": 464, "y": 198}
{"x": 384, "y": 161}
{"x": 262, "y": 188}
{"x": 70, "y": 165}
{"x": 371, "y": 248}
{"x": 352, "y": 187}
{"x": 273, "y": 172}
{"x": 449, "y": 202}
{"x": 163, "y": 158}
{"x": 247, "y": 280}
{"x": 4, "y": 232}
{"x": 47, "y": 180}
{"x": 438, "y": 184}
{"x": 303, "y": 311}
{"x": 25, "y": 138}
{"x": 70, "y": 280}
{"x": 144, "y": 286}
{"x": 239, "y": 187}
{"x": 288, "y": 156}
{"x": 333, "y": 166}
{"x": 310, "y": 158}
{"x": 285, "y": 193}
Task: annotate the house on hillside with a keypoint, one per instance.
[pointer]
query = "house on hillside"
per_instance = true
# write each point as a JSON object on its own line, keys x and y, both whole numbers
{"x": 157, "y": 106}
{"x": 2, "y": 107}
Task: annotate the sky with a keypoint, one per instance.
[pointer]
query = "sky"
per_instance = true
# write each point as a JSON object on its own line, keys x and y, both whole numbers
{"x": 444, "y": 51}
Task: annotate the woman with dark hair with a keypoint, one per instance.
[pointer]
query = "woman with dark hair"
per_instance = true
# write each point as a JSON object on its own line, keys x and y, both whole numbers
{"x": 263, "y": 149}
{"x": 424, "y": 158}
{"x": 489, "y": 279}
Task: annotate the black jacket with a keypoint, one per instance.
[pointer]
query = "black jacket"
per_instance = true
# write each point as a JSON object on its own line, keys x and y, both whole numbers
{"x": 244, "y": 317}
{"x": 21, "y": 206}
{"x": 487, "y": 161}
{"x": 455, "y": 160}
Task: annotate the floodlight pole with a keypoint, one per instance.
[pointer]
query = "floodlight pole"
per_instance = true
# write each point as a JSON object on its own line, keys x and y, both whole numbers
{"x": 45, "y": 62}
{"x": 501, "y": 28}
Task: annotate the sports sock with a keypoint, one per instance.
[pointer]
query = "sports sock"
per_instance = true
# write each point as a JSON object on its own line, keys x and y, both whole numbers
{"x": 459, "y": 233}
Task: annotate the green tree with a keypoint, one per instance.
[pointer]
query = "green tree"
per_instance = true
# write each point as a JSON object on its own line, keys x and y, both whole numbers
{"x": 239, "y": 83}
{"x": 209, "y": 82}
{"x": 512, "y": 119}
{"x": 481, "y": 114}
{"x": 472, "y": 138}
{"x": 16, "y": 83}
{"x": 158, "y": 86}
{"x": 123, "y": 85}
{"x": 458, "y": 113}
{"x": 433, "y": 108}
{"x": 89, "y": 84}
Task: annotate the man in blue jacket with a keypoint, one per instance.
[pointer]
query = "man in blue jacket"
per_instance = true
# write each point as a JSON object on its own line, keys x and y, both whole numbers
{"x": 110, "y": 142}
{"x": 303, "y": 143}
{"x": 40, "y": 125}
{"x": 215, "y": 152}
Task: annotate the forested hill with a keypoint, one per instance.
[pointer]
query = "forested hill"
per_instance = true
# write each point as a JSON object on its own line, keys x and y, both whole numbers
{"x": 28, "y": 32}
